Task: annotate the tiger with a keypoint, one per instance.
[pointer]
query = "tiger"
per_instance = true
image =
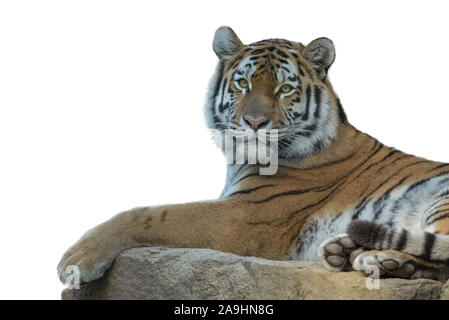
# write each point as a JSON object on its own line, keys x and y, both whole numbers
{"x": 338, "y": 195}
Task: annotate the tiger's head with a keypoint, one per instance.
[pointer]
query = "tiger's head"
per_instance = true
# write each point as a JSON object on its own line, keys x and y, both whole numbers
{"x": 275, "y": 84}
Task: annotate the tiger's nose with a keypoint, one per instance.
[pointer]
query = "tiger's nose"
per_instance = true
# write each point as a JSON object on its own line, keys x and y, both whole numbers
{"x": 255, "y": 123}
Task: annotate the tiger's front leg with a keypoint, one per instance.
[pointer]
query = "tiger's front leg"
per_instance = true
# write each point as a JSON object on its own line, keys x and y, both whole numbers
{"x": 192, "y": 225}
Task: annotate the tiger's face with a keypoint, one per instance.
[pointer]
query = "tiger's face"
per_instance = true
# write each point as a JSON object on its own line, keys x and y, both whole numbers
{"x": 275, "y": 85}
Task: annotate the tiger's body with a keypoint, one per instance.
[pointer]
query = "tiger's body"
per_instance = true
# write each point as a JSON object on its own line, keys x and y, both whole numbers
{"x": 338, "y": 195}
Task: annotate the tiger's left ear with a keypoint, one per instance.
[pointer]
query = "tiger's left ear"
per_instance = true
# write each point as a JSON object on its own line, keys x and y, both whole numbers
{"x": 226, "y": 43}
{"x": 321, "y": 54}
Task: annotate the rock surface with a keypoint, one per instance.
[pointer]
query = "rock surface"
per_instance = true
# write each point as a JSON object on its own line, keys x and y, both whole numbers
{"x": 445, "y": 292}
{"x": 163, "y": 273}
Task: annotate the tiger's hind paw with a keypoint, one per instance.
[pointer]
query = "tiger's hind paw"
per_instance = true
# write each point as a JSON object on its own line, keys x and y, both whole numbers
{"x": 338, "y": 253}
{"x": 387, "y": 263}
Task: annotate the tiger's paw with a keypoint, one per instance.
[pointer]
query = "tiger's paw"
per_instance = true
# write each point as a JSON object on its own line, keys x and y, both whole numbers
{"x": 86, "y": 260}
{"x": 83, "y": 266}
{"x": 388, "y": 263}
{"x": 338, "y": 253}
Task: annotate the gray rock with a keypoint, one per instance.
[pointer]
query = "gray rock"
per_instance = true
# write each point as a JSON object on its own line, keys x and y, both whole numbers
{"x": 163, "y": 273}
{"x": 445, "y": 291}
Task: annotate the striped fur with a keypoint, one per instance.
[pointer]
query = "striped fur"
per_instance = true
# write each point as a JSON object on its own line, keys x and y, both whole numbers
{"x": 400, "y": 200}
{"x": 337, "y": 189}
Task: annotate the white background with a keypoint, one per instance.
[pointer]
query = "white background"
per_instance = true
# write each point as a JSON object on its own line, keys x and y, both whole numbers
{"x": 101, "y": 105}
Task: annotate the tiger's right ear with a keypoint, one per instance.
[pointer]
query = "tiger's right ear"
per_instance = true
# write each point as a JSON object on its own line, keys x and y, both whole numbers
{"x": 226, "y": 43}
{"x": 321, "y": 54}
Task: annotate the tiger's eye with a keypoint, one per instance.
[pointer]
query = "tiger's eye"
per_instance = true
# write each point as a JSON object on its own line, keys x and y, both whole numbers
{"x": 286, "y": 88}
{"x": 243, "y": 83}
